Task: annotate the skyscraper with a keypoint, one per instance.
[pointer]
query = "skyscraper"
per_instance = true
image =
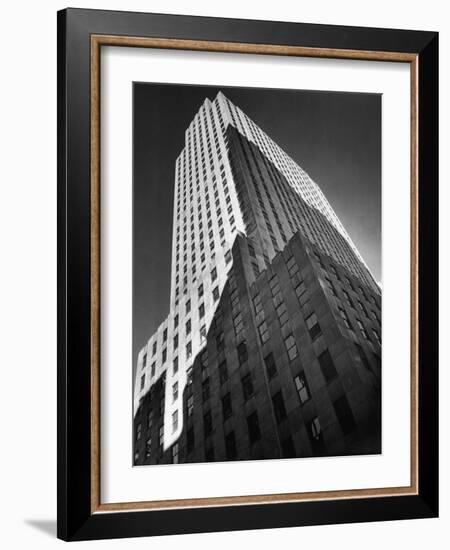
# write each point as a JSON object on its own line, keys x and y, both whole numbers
{"x": 272, "y": 343}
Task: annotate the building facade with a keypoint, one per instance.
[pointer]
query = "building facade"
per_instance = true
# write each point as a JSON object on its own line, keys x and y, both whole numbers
{"x": 272, "y": 345}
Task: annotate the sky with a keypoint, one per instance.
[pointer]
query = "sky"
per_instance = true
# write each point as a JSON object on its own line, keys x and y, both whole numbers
{"x": 334, "y": 136}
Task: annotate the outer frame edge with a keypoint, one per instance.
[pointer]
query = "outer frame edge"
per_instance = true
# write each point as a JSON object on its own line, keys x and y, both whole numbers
{"x": 428, "y": 158}
{"x": 61, "y": 278}
{"x": 425, "y": 504}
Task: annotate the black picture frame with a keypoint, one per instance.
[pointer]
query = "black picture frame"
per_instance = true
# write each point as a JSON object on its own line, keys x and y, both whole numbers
{"x": 76, "y": 518}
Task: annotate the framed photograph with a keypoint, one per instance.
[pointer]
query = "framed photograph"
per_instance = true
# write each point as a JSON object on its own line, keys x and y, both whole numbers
{"x": 248, "y": 295}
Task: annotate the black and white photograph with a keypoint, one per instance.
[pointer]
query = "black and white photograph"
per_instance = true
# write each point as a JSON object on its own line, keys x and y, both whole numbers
{"x": 256, "y": 274}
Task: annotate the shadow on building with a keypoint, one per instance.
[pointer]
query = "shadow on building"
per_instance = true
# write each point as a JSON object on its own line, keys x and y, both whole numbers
{"x": 291, "y": 366}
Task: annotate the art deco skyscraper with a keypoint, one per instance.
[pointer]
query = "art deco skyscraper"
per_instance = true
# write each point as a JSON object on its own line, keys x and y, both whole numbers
{"x": 240, "y": 199}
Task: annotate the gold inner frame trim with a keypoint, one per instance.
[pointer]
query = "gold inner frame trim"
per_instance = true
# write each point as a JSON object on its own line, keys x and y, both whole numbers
{"x": 97, "y": 41}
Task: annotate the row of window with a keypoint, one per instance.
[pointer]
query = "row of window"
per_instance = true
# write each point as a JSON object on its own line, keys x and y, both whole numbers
{"x": 341, "y": 406}
{"x": 227, "y": 257}
{"x": 361, "y": 326}
{"x": 200, "y": 223}
{"x": 358, "y": 289}
{"x": 286, "y": 198}
{"x": 290, "y": 343}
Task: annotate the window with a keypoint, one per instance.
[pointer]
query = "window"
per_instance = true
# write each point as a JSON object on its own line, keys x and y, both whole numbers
{"x": 223, "y": 372}
{"x": 287, "y": 447}
{"x": 154, "y": 348}
{"x": 302, "y": 387}
{"x": 161, "y": 435}
{"x": 335, "y": 273}
{"x": 188, "y": 306}
{"x": 257, "y": 305}
{"x": 327, "y": 366}
{"x": 375, "y": 316}
{"x": 247, "y": 386}
{"x": 292, "y": 266}
{"x": 230, "y": 446}
{"x": 204, "y": 358}
{"x": 282, "y": 313}
{"x": 274, "y": 285}
{"x": 142, "y": 381}
{"x": 228, "y": 257}
{"x": 271, "y": 366}
{"x": 362, "y": 329}
{"x": 190, "y": 405}
{"x": 138, "y": 431}
{"x": 164, "y": 355}
{"x": 319, "y": 259}
{"x": 153, "y": 369}
{"x": 291, "y": 347}
{"x": 175, "y": 365}
{"x": 188, "y": 350}
{"x": 188, "y": 327}
{"x": 165, "y": 335}
{"x": 254, "y": 433}
{"x": 347, "y": 298}
{"x": 242, "y": 353}
{"x": 203, "y": 333}
{"x": 144, "y": 360}
{"x": 238, "y": 324}
{"x": 313, "y": 325}
{"x": 175, "y": 453}
{"x": 207, "y": 424}
{"x": 205, "y": 390}
{"x": 227, "y": 409}
{"x": 330, "y": 286}
{"x": 175, "y": 321}
{"x": 362, "y": 307}
{"x": 200, "y": 291}
{"x": 148, "y": 447}
{"x": 263, "y": 332}
{"x": 175, "y": 341}
{"x": 234, "y": 298}
{"x": 213, "y": 275}
{"x": 278, "y": 406}
{"x": 175, "y": 391}
{"x": 255, "y": 268}
{"x": 220, "y": 342}
{"x": 150, "y": 419}
{"x": 216, "y": 294}
{"x": 174, "y": 421}
{"x": 201, "y": 311}
{"x": 349, "y": 282}
{"x": 345, "y": 318}
{"x": 190, "y": 440}
{"x": 300, "y": 289}
{"x": 377, "y": 336}
{"x": 344, "y": 414}
{"x": 315, "y": 435}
